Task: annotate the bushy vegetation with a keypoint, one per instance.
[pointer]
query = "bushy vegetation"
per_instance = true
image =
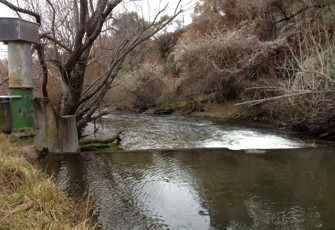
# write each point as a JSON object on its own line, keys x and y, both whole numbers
{"x": 31, "y": 200}
{"x": 307, "y": 75}
{"x": 224, "y": 63}
{"x": 274, "y": 57}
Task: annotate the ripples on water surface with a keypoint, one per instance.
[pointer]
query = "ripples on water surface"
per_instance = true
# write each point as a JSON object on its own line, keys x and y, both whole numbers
{"x": 166, "y": 132}
{"x": 203, "y": 188}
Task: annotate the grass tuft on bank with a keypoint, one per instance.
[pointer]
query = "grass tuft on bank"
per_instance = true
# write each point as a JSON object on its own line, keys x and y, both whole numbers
{"x": 31, "y": 200}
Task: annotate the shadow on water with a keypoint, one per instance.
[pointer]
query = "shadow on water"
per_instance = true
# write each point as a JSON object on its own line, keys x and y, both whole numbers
{"x": 205, "y": 188}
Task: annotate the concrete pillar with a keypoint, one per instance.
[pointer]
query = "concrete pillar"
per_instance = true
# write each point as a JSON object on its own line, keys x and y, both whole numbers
{"x": 54, "y": 134}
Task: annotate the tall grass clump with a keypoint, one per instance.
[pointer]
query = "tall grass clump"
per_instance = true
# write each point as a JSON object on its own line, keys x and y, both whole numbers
{"x": 31, "y": 200}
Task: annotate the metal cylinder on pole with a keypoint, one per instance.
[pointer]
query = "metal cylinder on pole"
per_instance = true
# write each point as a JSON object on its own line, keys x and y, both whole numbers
{"x": 53, "y": 133}
{"x": 18, "y": 34}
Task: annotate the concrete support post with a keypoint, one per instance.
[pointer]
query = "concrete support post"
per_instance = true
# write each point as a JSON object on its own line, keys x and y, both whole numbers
{"x": 54, "y": 134}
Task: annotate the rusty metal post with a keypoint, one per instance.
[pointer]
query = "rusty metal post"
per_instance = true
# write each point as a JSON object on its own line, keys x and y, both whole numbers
{"x": 19, "y": 64}
{"x": 20, "y": 83}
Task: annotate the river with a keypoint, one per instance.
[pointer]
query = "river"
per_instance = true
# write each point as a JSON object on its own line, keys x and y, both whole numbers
{"x": 187, "y": 173}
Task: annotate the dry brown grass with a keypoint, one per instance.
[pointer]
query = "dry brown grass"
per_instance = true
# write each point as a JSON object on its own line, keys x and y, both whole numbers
{"x": 31, "y": 200}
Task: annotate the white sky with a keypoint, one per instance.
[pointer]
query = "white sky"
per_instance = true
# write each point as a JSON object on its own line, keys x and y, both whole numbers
{"x": 148, "y": 7}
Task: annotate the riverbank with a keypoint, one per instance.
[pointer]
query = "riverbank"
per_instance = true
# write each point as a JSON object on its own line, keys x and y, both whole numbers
{"x": 227, "y": 112}
{"x": 30, "y": 199}
{"x": 267, "y": 67}
{"x": 317, "y": 127}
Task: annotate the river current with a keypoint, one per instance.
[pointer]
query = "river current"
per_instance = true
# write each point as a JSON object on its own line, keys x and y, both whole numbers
{"x": 166, "y": 132}
{"x": 186, "y": 173}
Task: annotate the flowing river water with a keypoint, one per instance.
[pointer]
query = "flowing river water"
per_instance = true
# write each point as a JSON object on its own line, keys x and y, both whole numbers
{"x": 187, "y": 173}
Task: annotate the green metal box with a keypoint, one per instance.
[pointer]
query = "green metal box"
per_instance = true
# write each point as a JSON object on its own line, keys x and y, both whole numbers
{"x": 21, "y": 109}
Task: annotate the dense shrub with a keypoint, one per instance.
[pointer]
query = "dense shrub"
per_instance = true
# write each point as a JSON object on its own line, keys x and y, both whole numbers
{"x": 224, "y": 62}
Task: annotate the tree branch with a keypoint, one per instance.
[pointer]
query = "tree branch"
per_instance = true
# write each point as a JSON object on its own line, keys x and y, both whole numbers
{"x": 41, "y": 58}
{"x": 21, "y": 10}
{"x": 55, "y": 41}
{"x": 287, "y": 18}
{"x": 259, "y": 101}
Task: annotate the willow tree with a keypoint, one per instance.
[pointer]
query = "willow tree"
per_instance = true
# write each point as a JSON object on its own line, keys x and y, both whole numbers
{"x": 68, "y": 32}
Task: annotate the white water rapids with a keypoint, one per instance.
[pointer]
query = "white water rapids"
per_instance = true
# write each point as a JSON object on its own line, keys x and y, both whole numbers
{"x": 165, "y": 132}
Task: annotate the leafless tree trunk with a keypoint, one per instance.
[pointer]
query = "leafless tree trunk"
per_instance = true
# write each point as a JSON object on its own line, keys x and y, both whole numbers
{"x": 67, "y": 34}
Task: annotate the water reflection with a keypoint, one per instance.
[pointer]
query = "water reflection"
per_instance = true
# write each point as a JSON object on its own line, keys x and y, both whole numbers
{"x": 206, "y": 188}
{"x": 154, "y": 190}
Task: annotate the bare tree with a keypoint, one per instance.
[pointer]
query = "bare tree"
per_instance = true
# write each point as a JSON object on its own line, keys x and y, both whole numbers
{"x": 68, "y": 33}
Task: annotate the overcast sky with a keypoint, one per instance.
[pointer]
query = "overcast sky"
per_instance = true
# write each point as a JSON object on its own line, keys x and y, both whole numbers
{"x": 148, "y": 8}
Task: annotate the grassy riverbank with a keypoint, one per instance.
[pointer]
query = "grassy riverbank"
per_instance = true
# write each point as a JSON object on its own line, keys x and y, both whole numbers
{"x": 31, "y": 200}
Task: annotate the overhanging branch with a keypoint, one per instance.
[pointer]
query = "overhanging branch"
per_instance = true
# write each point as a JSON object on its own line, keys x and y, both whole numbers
{"x": 259, "y": 101}
{"x": 22, "y": 10}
